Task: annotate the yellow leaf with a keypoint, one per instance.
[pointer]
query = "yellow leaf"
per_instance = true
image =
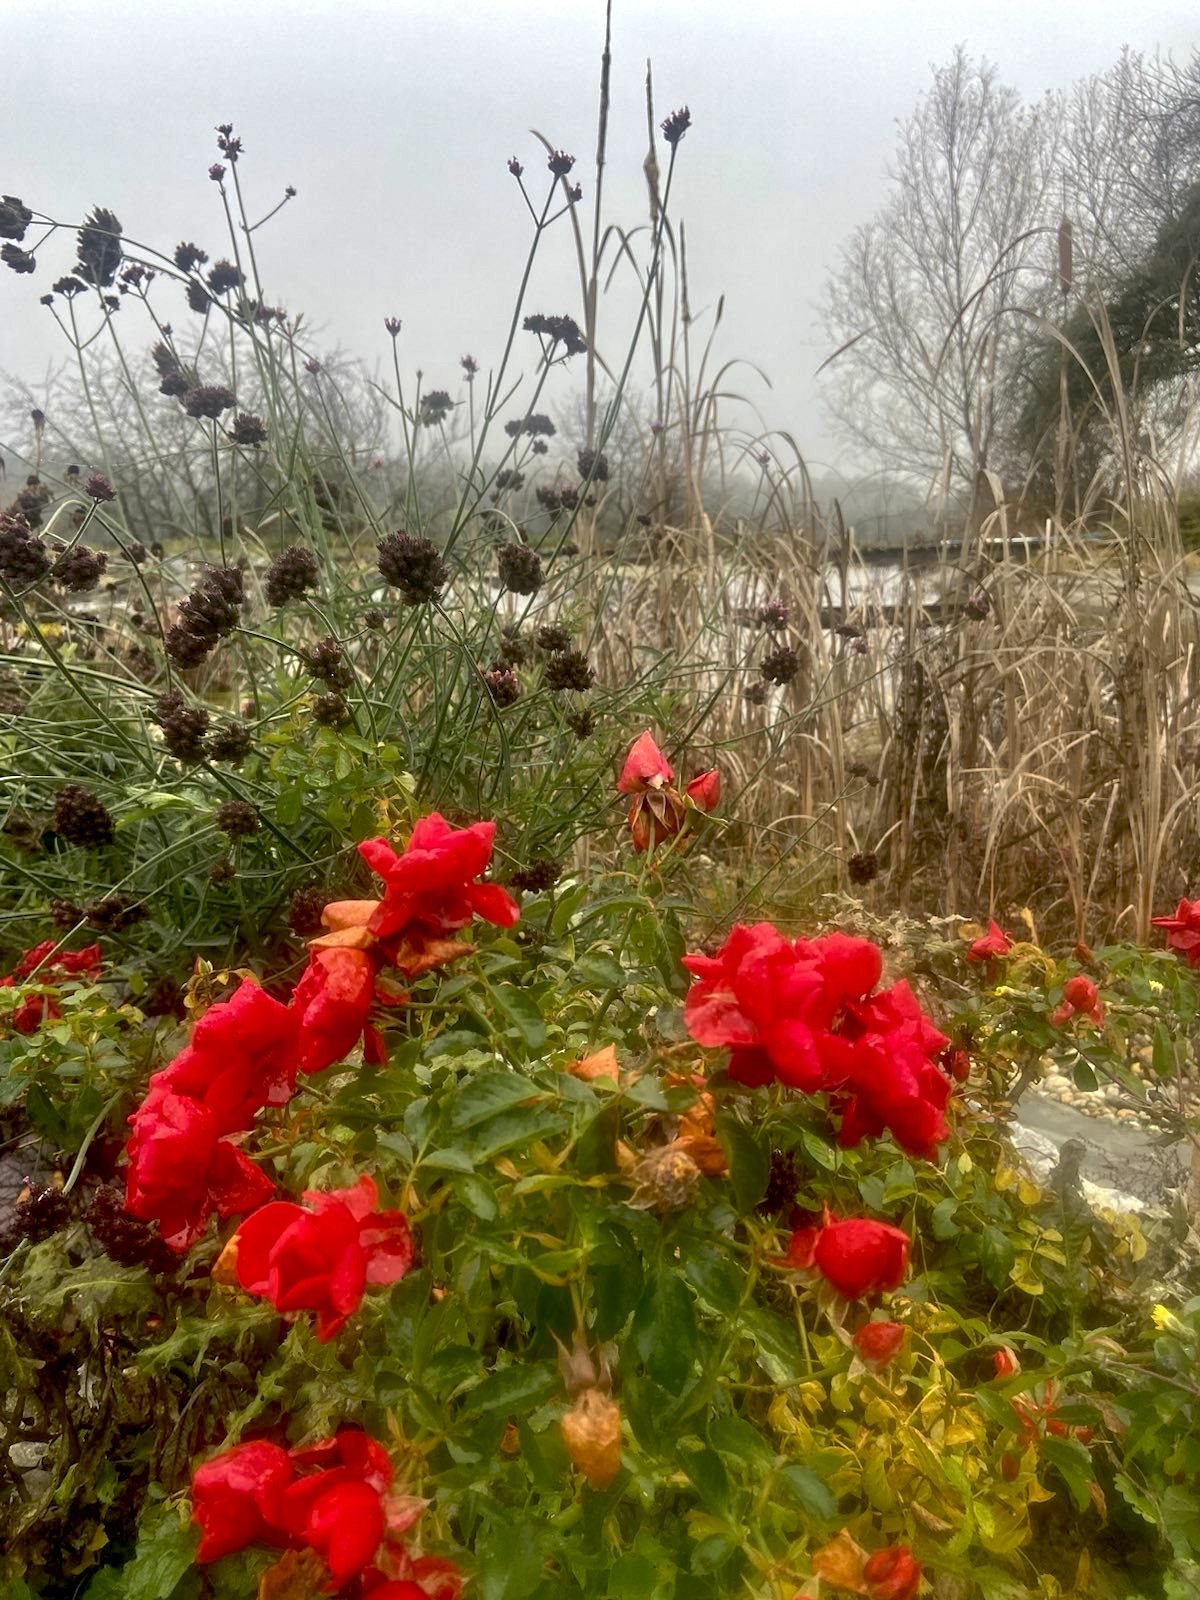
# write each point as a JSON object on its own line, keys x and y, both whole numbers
{"x": 1005, "y": 1178}
{"x": 1028, "y": 1192}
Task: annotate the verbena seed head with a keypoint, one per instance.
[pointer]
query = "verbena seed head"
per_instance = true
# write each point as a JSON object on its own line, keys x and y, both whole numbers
{"x": 189, "y": 256}
{"x": 331, "y": 710}
{"x": 231, "y": 743}
{"x": 550, "y": 637}
{"x": 676, "y": 125}
{"x": 292, "y": 573}
{"x": 80, "y": 569}
{"x": 781, "y": 665}
{"x": 541, "y": 874}
{"x": 81, "y": 818}
{"x": 414, "y": 566}
{"x": 183, "y": 726}
{"x": 15, "y": 217}
{"x": 560, "y": 163}
{"x": 304, "y": 912}
{"x": 593, "y": 464}
{"x": 248, "y": 429}
{"x": 863, "y": 867}
{"x": 18, "y": 260}
{"x": 114, "y": 913}
{"x": 237, "y": 818}
{"x": 208, "y": 400}
{"x": 774, "y": 615}
{"x": 569, "y": 669}
{"x": 520, "y": 568}
{"x": 503, "y": 686}
{"x": 327, "y": 661}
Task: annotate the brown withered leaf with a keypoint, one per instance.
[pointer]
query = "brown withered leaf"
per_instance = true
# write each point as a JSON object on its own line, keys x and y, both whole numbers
{"x": 297, "y": 1575}
{"x": 841, "y": 1563}
{"x": 600, "y": 1064}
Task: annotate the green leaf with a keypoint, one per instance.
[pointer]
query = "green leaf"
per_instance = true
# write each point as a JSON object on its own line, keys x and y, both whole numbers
{"x": 1073, "y": 1464}
{"x": 509, "y": 1561}
{"x": 733, "y": 1436}
{"x": 486, "y": 1095}
{"x": 166, "y": 1552}
{"x": 942, "y": 1223}
{"x": 996, "y": 1255}
{"x": 513, "y": 1389}
{"x": 596, "y": 970}
{"x": 448, "y": 1161}
{"x": 811, "y": 1493}
{"x": 664, "y": 1331}
{"x": 749, "y": 1161}
{"x": 289, "y": 806}
{"x": 478, "y": 1196}
{"x": 707, "y": 1471}
{"x": 523, "y": 1016}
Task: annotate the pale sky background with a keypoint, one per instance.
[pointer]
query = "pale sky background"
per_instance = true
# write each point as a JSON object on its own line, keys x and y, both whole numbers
{"x": 395, "y": 122}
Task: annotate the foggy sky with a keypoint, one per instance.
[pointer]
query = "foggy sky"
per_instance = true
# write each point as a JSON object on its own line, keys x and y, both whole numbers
{"x": 394, "y": 120}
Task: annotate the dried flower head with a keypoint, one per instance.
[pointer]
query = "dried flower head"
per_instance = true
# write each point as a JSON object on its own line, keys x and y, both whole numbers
{"x": 81, "y": 818}
{"x": 541, "y": 874}
{"x": 560, "y": 163}
{"x": 98, "y": 487}
{"x": 503, "y": 685}
{"x": 327, "y": 661}
{"x": 676, "y": 125}
{"x": 414, "y": 566}
{"x": 863, "y": 867}
{"x": 198, "y": 297}
{"x": 79, "y": 569}
{"x": 19, "y": 260}
{"x": 99, "y": 248}
{"x": 520, "y": 568}
{"x": 392, "y": 324}
{"x": 781, "y": 665}
{"x": 231, "y": 743}
{"x": 435, "y": 407}
{"x": 562, "y": 330}
{"x": 15, "y": 217}
{"x": 293, "y": 572}
{"x": 514, "y": 166}
{"x": 189, "y": 256}
{"x": 248, "y": 429}
{"x": 304, "y": 912}
{"x": 208, "y": 400}
{"x": 216, "y": 172}
{"x": 331, "y": 710}
{"x": 569, "y": 669}
{"x": 237, "y": 818}
{"x": 592, "y": 464}
{"x": 773, "y": 615}
{"x": 470, "y": 367}
{"x": 183, "y": 726}
{"x": 224, "y": 277}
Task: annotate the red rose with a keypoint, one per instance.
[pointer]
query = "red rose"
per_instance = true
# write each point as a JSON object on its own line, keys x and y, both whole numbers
{"x": 181, "y": 1171}
{"x": 344, "y": 1526}
{"x": 658, "y": 811}
{"x": 645, "y": 767}
{"x": 242, "y": 1057}
{"x": 857, "y": 1256}
{"x": 892, "y": 1574}
{"x": 1183, "y": 930}
{"x": 237, "y": 1496}
{"x": 879, "y": 1342}
{"x": 1005, "y": 1363}
{"x": 333, "y": 1003}
{"x": 321, "y": 1259}
{"x": 431, "y": 887}
{"x": 43, "y": 966}
{"x": 994, "y": 944}
{"x": 1080, "y": 998}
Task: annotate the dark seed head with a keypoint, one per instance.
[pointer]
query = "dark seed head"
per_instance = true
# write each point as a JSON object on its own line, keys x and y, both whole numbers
{"x": 238, "y": 818}
{"x": 183, "y": 726}
{"x": 569, "y": 669}
{"x": 230, "y": 743}
{"x": 331, "y": 710}
{"x": 248, "y": 429}
{"x": 520, "y": 568}
{"x": 863, "y": 868}
{"x": 304, "y": 912}
{"x": 81, "y": 818}
{"x": 781, "y": 666}
{"x": 503, "y": 686}
{"x": 292, "y": 573}
{"x": 414, "y": 566}
{"x": 541, "y": 874}
{"x": 676, "y": 125}
{"x": 208, "y": 400}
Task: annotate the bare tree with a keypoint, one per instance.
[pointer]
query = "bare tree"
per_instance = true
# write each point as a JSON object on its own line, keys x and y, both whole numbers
{"x": 923, "y": 309}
